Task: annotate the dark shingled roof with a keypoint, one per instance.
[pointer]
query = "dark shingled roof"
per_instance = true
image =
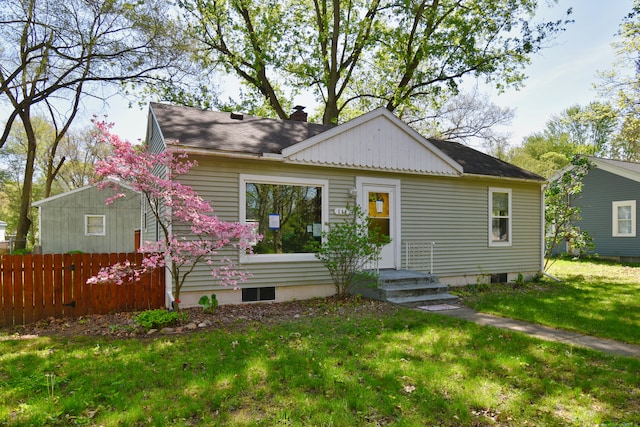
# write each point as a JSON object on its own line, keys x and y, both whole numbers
{"x": 630, "y": 166}
{"x": 477, "y": 163}
{"x": 213, "y": 130}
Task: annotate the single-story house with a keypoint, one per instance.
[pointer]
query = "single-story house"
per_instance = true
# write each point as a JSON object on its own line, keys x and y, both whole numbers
{"x": 79, "y": 220}
{"x": 483, "y": 217}
{"x": 607, "y": 205}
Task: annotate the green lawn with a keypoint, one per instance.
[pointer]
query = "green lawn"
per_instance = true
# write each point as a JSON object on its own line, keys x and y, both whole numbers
{"x": 594, "y": 298}
{"x": 401, "y": 368}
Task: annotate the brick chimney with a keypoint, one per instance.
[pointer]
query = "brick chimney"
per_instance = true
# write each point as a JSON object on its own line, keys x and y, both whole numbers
{"x": 298, "y": 115}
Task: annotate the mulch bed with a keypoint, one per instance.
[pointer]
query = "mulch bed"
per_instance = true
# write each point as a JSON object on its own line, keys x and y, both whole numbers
{"x": 228, "y": 317}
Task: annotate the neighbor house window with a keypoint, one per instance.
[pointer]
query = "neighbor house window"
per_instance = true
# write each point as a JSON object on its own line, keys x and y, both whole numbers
{"x": 624, "y": 218}
{"x": 94, "y": 225}
{"x": 287, "y": 212}
{"x": 499, "y": 217}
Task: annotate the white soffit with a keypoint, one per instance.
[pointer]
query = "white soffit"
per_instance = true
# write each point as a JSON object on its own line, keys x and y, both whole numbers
{"x": 376, "y": 140}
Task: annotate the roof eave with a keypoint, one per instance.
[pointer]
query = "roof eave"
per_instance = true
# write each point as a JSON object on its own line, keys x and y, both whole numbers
{"x": 221, "y": 153}
{"x": 505, "y": 178}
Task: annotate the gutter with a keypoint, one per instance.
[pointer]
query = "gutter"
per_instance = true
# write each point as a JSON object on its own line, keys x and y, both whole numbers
{"x": 505, "y": 178}
{"x": 228, "y": 154}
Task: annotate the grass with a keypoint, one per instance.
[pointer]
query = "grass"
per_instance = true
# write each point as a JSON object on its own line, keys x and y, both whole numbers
{"x": 597, "y": 298}
{"x": 400, "y": 368}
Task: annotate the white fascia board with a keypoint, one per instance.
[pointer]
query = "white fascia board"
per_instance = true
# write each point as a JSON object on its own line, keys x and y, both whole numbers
{"x": 605, "y": 166}
{"x": 616, "y": 170}
{"x": 61, "y": 195}
{"x": 77, "y": 190}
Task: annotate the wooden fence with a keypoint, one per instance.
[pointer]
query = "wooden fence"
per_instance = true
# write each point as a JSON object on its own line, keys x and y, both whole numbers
{"x": 34, "y": 287}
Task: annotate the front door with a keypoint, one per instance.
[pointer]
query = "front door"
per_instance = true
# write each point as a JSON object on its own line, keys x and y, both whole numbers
{"x": 380, "y": 200}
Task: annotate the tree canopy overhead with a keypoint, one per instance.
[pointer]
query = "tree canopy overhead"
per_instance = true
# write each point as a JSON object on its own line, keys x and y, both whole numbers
{"x": 355, "y": 55}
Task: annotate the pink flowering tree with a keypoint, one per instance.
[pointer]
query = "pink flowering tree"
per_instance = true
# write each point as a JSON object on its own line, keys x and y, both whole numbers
{"x": 190, "y": 234}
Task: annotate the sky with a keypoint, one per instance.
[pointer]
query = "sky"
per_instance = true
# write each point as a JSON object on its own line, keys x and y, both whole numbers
{"x": 564, "y": 74}
{"x": 560, "y": 76}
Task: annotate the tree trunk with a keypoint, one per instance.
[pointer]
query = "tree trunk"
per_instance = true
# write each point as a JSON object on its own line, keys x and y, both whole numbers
{"x": 330, "y": 116}
{"x": 24, "y": 222}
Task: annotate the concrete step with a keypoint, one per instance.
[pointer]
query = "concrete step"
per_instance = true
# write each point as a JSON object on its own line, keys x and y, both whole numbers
{"x": 405, "y": 287}
{"x": 412, "y": 289}
{"x": 422, "y": 300}
{"x": 405, "y": 276}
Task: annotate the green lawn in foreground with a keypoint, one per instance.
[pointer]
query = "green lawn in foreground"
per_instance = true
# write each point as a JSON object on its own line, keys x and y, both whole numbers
{"x": 404, "y": 368}
{"x": 594, "y": 298}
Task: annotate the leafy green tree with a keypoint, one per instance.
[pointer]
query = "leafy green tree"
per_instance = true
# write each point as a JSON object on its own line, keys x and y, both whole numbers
{"x": 349, "y": 247}
{"x": 355, "y": 55}
{"x": 561, "y": 213}
{"x": 590, "y": 129}
{"x": 622, "y": 84}
{"x": 75, "y": 157}
{"x": 576, "y": 131}
{"x": 55, "y": 53}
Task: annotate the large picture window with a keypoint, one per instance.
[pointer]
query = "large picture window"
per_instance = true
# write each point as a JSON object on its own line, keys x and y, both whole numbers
{"x": 624, "y": 218}
{"x": 288, "y": 213}
{"x": 499, "y": 217}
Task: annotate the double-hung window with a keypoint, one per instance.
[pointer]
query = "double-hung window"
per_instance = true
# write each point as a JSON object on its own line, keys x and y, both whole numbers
{"x": 94, "y": 225}
{"x": 289, "y": 213}
{"x": 624, "y": 218}
{"x": 500, "y": 217}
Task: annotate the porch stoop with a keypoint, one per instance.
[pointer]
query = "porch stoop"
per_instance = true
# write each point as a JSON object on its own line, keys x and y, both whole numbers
{"x": 407, "y": 288}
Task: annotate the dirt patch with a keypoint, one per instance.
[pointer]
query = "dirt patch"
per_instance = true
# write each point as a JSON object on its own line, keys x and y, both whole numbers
{"x": 228, "y": 317}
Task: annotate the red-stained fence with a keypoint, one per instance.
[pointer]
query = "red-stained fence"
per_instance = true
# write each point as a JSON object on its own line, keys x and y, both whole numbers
{"x": 34, "y": 287}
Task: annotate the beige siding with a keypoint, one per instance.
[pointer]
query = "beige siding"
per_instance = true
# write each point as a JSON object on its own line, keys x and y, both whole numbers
{"x": 453, "y": 212}
{"x": 156, "y": 144}
{"x": 218, "y": 182}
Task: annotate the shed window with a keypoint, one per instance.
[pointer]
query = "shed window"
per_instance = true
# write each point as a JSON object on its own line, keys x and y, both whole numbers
{"x": 499, "y": 217}
{"x": 94, "y": 225}
{"x": 287, "y": 212}
{"x": 624, "y": 218}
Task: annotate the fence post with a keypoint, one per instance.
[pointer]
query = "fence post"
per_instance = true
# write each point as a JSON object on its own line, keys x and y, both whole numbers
{"x": 7, "y": 290}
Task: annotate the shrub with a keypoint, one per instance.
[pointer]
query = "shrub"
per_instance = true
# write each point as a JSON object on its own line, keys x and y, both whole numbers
{"x": 159, "y": 318}
{"x": 349, "y": 247}
{"x": 208, "y": 304}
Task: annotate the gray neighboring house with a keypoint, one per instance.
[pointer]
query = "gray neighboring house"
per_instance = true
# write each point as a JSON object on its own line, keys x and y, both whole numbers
{"x": 482, "y": 216}
{"x": 608, "y": 204}
{"x": 79, "y": 220}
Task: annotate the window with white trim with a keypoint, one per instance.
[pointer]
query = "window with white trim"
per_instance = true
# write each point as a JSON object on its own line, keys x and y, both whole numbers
{"x": 288, "y": 212}
{"x": 94, "y": 225}
{"x": 624, "y": 218}
{"x": 500, "y": 217}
